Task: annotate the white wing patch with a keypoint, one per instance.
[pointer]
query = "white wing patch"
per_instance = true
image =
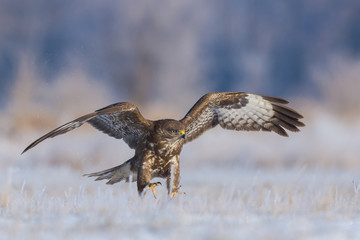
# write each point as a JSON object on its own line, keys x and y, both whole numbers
{"x": 240, "y": 111}
{"x": 255, "y": 115}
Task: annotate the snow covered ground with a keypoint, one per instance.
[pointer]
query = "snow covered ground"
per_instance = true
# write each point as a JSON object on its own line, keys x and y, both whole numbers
{"x": 238, "y": 186}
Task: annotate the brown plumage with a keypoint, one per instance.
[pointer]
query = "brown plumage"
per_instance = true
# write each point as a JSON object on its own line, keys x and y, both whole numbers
{"x": 158, "y": 144}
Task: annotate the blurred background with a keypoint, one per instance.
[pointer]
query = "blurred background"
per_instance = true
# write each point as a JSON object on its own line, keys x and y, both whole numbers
{"x": 60, "y": 59}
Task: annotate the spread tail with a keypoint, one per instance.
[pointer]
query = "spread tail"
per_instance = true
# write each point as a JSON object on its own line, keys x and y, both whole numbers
{"x": 115, "y": 174}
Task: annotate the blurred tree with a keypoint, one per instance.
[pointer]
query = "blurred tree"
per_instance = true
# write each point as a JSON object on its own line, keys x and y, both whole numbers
{"x": 7, "y": 71}
{"x": 287, "y": 67}
{"x": 182, "y": 46}
{"x": 222, "y": 50}
{"x": 352, "y": 32}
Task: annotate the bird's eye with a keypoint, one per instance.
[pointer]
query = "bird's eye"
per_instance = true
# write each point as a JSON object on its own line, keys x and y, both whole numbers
{"x": 174, "y": 131}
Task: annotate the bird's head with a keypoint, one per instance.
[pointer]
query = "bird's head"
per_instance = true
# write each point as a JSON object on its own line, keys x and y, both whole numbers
{"x": 170, "y": 129}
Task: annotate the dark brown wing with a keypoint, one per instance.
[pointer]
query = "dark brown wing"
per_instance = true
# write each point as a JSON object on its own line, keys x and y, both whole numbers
{"x": 119, "y": 120}
{"x": 240, "y": 111}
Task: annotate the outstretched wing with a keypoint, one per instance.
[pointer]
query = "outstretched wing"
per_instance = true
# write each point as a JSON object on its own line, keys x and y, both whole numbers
{"x": 240, "y": 111}
{"x": 119, "y": 120}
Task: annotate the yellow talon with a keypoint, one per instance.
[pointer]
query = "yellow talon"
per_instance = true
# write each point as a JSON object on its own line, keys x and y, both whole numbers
{"x": 152, "y": 187}
{"x": 175, "y": 190}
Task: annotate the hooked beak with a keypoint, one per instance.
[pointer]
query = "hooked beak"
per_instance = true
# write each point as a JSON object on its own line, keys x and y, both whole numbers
{"x": 182, "y": 134}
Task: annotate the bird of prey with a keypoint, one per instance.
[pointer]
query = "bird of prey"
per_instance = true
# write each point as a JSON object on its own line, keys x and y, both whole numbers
{"x": 158, "y": 144}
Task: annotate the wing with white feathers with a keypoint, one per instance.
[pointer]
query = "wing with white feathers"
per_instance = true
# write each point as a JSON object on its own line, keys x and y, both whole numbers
{"x": 240, "y": 111}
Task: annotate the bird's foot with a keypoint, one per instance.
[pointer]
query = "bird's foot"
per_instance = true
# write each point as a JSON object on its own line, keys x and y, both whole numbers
{"x": 175, "y": 190}
{"x": 152, "y": 187}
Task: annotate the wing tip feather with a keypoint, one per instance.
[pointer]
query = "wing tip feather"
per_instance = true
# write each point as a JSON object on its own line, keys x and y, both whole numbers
{"x": 24, "y": 151}
{"x": 275, "y": 99}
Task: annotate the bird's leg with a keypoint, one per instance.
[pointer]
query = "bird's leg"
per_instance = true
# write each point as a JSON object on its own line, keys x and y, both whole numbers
{"x": 175, "y": 190}
{"x": 143, "y": 181}
{"x": 175, "y": 176}
{"x": 152, "y": 187}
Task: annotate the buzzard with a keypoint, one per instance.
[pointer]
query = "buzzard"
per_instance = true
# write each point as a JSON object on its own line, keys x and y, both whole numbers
{"x": 158, "y": 143}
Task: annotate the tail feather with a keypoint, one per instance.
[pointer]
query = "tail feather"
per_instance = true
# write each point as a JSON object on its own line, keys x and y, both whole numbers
{"x": 115, "y": 174}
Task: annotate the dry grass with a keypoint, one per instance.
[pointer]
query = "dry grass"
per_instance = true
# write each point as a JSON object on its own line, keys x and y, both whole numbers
{"x": 232, "y": 205}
